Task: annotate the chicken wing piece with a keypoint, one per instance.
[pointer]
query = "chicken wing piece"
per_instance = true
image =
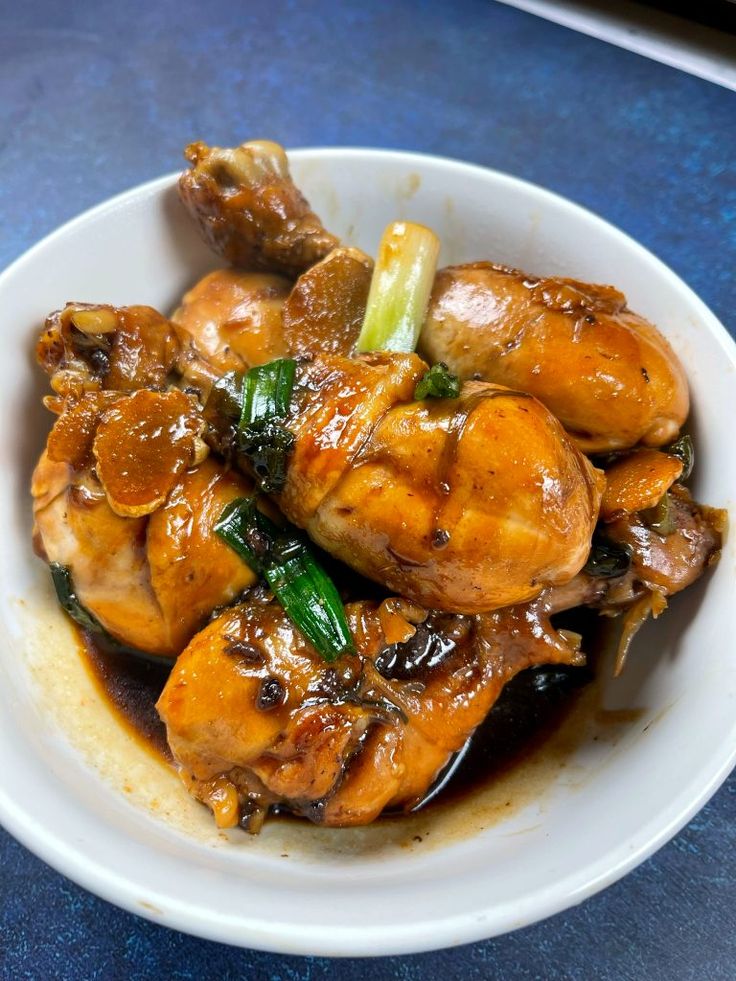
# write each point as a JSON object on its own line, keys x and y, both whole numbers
{"x": 672, "y": 559}
{"x": 123, "y": 498}
{"x": 643, "y": 558}
{"x": 464, "y": 505}
{"x": 659, "y": 561}
{"x": 248, "y": 209}
{"x": 606, "y": 373}
{"x": 255, "y": 717}
{"x": 230, "y": 321}
{"x": 91, "y": 347}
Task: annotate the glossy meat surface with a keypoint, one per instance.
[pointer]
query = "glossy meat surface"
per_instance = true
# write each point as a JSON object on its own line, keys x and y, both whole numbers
{"x": 254, "y": 717}
{"x": 605, "y": 372}
{"x": 464, "y": 505}
{"x": 229, "y": 321}
{"x": 150, "y": 572}
{"x": 672, "y": 562}
{"x": 248, "y": 209}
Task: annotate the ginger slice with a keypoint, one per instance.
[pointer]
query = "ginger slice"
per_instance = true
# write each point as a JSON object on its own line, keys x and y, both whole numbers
{"x": 637, "y": 482}
{"x": 70, "y": 441}
{"x": 143, "y": 444}
{"x": 326, "y": 307}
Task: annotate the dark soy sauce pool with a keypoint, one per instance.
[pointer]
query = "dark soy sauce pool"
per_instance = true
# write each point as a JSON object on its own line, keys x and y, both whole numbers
{"x": 531, "y": 706}
{"x": 131, "y": 684}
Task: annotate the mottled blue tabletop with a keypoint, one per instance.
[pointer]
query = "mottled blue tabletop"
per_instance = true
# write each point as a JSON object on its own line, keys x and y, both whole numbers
{"x": 97, "y": 96}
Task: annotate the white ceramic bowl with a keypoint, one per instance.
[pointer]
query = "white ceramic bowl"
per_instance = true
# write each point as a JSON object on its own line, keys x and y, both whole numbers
{"x": 82, "y": 794}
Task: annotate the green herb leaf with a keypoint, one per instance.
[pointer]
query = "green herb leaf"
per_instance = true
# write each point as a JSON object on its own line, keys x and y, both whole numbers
{"x": 284, "y": 559}
{"x": 684, "y": 449}
{"x": 607, "y": 559}
{"x": 267, "y": 445}
{"x": 226, "y": 396}
{"x": 438, "y": 383}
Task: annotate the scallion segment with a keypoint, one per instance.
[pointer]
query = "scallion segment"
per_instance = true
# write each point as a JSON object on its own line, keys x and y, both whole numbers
{"x": 68, "y": 600}
{"x": 661, "y": 518}
{"x": 438, "y": 383}
{"x": 400, "y": 288}
{"x": 684, "y": 449}
{"x": 607, "y": 559}
{"x": 285, "y": 560}
{"x": 226, "y": 397}
{"x": 261, "y": 436}
{"x": 267, "y": 391}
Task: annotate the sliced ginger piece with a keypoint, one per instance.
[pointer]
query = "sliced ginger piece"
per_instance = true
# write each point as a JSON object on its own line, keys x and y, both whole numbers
{"x": 70, "y": 441}
{"x": 143, "y": 444}
{"x": 638, "y": 481}
{"x": 325, "y": 309}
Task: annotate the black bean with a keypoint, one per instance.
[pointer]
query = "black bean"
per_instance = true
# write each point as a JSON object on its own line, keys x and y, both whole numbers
{"x": 271, "y": 694}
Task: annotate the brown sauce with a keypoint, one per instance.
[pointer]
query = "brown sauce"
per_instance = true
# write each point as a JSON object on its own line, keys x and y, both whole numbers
{"x": 530, "y": 708}
{"x": 131, "y": 684}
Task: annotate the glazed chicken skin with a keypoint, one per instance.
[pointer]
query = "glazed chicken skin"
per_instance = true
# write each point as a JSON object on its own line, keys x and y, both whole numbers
{"x": 339, "y": 744}
{"x": 606, "y": 373}
{"x": 464, "y": 505}
{"x": 143, "y": 555}
{"x": 230, "y": 321}
{"x": 248, "y": 209}
{"x": 663, "y": 563}
{"x": 366, "y": 456}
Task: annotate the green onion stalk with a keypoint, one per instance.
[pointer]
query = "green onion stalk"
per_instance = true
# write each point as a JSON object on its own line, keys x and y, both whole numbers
{"x": 400, "y": 288}
{"x": 285, "y": 560}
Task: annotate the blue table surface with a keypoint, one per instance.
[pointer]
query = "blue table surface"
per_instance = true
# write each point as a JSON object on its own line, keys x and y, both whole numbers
{"x": 98, "y": 96}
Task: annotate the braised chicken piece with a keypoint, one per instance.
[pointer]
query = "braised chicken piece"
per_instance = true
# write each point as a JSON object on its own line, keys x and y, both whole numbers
{"x": 124, "y": 499}
{"x": 230, "y": 321}
{"x": 670, "y": 559}
{"x": 606, "y": 373}
{"x": 640, "y": 559}
{"x": 248, "y": 209}
{"x": 90, "y": 347}
{"x": 339, "y": 743}
{"x": 463, "y": 505}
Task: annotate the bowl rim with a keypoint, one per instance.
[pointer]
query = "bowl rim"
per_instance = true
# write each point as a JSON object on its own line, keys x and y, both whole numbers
{"x": 441, "y": 931}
